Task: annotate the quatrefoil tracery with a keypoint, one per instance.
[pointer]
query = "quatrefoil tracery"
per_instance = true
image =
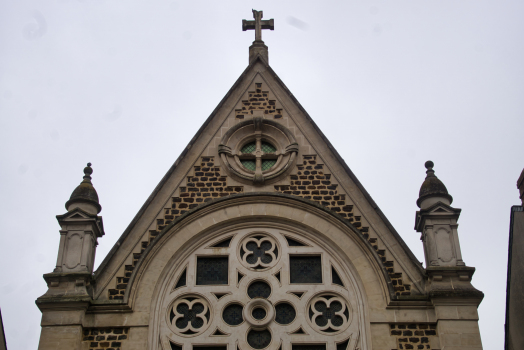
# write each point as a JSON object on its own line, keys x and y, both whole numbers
{"x": 329, "y": 313}
{"x": 259, "y": 252}
{"x": 190, "y": 315}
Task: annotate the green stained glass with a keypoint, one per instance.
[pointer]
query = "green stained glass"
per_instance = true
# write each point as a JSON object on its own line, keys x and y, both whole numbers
{"x": 268, "y": 148}
{"x": 268, "y": 163}
{"x": 249, "y": 148}
{"x": 249, "y": 164}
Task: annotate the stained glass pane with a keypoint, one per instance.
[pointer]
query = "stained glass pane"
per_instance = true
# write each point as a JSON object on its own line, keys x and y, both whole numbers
{"x": 212, "y": 270}
{"x": 259, "y": 339}
{"x": 259, "y": 289}
{"x": 249, "y": 164}
{"x": 343, "y": 345}
{"x": 232, "y": 314}
{"x": 217, "y": 347}
{"x": 268, "y": 163}
{"x": 182, "y": 280}
{"x": 259, "y": 313}
{"x": 336, "y": 278}
{"x": 309, "y": 347}
{"x": 305, "y": 269}
{"x": 285, "y": 313}
{"x": 249, "y": 148}
{"x": 268, "y": 148}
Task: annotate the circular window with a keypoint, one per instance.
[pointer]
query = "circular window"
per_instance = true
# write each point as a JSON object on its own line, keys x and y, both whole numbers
{"x": 258, "y": 154}
{"x": 232, "y": 314}
{"x": 266, "y": 152}
{"x": 259, "y": 289}
{"x": 259, "y": 339}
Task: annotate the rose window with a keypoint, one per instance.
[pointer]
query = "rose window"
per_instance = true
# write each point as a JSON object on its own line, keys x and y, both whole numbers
{"x": 259, "y": 290}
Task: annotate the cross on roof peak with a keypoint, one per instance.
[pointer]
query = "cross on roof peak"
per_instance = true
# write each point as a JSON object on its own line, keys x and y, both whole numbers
{"x": 258, "y": 24}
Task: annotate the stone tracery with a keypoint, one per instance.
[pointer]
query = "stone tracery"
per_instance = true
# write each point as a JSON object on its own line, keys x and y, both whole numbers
{"x": 262, "y": 307}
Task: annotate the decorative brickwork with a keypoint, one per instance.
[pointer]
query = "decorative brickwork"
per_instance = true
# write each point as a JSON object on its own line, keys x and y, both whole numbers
{"x": 105, "y": 338}
{"x": 413, "y": 336}
{"x": 206, "y": 183}
{"x": 311, "y": 182}
{"x": 258, "y": 100}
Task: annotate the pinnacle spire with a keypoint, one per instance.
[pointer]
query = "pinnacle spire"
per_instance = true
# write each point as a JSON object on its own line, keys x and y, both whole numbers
{"x": 432, "y": 188}
{"x": 85, "y": 196}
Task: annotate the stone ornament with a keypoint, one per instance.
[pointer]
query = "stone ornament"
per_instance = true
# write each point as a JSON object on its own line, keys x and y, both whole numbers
{"x": 259, "y": 252}
{"x": 259, "y": 306}
{"x": 189, "y": 315}
{"x": 258, "y": 150}
{"x": 329, "y": 313}
{"x": 259, "y": 313}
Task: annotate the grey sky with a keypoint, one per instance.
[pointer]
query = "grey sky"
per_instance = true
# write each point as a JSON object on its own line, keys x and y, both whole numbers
{"x": 126, "y": 85}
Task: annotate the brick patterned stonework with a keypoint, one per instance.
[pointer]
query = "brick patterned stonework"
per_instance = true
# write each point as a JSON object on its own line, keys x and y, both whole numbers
{"x": 311, "y": 182}
{"x": 105, "y": 338}
{"x": 258, "y": 100}
{"x": 413, "y": 336}
{"x": 206, "y": 183}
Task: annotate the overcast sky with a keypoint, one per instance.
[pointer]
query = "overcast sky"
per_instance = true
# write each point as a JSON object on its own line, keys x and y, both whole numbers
{"x": 126, "y": 84}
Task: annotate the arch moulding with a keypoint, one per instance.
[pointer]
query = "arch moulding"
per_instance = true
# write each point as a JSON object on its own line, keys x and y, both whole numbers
{"x": 153, "y": 285}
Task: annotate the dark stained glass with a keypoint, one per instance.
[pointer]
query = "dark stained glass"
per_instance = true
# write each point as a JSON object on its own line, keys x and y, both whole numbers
{"x": 223, "y": 244}
{"x": 343, "y": 345}
{"x": 335, "y": 278}
{"x": 308, "y": 347}
{"x": 212, "y": 270}
{"x": 328, "y": 313}
{"x": 285, "y": 313}
{"x": 259, "y": 313}
{"x": 217, "y": 347}
{"x": 259, "y": 289}
{"x": 259, "y": 339}
{"x": 232, "y": 314}
{"x": 305, "y": 269}
{"x": 182, "y": 280}
{"x": 292, "y": 243}
{"x": 190, "y": 315}
{"x": 175, "y": 347}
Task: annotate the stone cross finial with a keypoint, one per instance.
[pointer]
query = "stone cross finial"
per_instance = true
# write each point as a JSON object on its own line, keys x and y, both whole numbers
{"x": 258, "y": 24}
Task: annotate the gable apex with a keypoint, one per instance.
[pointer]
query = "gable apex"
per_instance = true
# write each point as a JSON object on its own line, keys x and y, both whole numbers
{"x": 201, "y": 174}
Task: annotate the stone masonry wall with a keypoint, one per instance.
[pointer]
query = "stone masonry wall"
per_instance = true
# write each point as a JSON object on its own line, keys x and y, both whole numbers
{"x": 311, "y": 182}
{"x": 413, "y": 336}
{"x": 258, "y": 100}
{"x": 206, "y": 183}
{"x": 105, "y": 338}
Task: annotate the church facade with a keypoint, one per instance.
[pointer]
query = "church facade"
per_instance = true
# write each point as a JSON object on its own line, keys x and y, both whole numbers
{"x": 260, "y": 237}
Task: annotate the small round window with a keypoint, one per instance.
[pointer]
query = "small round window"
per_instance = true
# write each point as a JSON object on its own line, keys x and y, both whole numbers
{"x": 267, "y": 156}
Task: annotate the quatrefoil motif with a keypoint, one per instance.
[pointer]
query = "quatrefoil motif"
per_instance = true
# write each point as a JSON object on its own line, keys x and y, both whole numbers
{"x": 259, "y": 252}
{"x": 190, "y": 315}
{"x": 329, "y": 313}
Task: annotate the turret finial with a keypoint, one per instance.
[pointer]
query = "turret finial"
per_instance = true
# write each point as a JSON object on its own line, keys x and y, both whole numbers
{"x": 429, "y": 165}
{"x": 85, "y": 196}
{"x": 432, "y": 188}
